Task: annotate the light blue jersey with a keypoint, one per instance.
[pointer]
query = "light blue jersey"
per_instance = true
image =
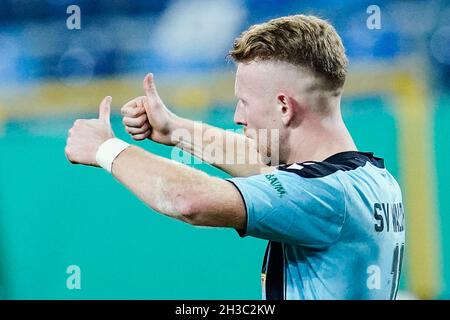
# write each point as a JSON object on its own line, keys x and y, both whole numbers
{"x": 336, "y": 228}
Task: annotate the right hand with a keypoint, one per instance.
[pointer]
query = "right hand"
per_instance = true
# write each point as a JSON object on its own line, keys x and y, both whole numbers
{"x": 147, "y": 116}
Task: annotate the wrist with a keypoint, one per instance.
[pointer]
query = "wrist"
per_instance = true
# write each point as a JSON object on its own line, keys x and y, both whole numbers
{"x": 108, "y": 151}
{"x": 175, "y": 123}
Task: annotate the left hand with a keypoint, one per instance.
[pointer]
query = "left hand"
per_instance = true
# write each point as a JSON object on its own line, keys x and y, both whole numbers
{"x": 86, "y": 136}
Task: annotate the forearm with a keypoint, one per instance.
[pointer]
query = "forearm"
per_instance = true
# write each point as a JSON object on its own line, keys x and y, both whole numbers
{"x": 177, "y": 190}
{"x": 231, "y": 152}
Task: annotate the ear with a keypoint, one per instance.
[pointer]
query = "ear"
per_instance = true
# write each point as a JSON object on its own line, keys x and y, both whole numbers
{"x": 288, "y": 108}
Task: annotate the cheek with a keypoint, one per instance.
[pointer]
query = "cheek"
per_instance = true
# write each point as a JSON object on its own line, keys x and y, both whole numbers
{"x": 257, "y": 116}
{"x": 262, "y": 121}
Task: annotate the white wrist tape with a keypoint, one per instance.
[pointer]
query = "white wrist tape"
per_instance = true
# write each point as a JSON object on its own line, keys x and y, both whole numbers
{"x": 108, "y": 151}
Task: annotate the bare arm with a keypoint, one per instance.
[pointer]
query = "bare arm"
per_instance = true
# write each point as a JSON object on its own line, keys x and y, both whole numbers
{"x": 179, "y": 191}
{"x": 229, "y": 151}
{"x": 171, "y": 188}
{"x": 148, "y": 117}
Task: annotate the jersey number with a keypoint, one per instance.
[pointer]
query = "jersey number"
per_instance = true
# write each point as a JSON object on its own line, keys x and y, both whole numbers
{"x": 396, "y": 268}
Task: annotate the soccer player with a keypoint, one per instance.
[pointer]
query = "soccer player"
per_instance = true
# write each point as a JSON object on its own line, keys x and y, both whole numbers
{"x": 333, "y": 215}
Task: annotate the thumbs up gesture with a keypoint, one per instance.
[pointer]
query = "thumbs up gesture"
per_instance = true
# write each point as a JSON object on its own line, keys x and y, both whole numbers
{"x": 86, "y": 136}
{"x": 147, "y": 116}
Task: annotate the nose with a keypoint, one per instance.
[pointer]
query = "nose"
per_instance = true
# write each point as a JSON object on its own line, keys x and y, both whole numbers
{"x": 239, "y": 115}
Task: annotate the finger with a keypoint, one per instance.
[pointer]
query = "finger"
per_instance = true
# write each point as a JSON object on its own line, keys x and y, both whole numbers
{"x": 132, "y": 130}
{"x": 132, "y": 112}
{"x": 150, "y": 87}
{"x": 68, "y": 151}
{"x": 141, "y": 136}
{"x": 138, "y": 122}
{"x": 134, "y": 107}
{"x": 105, "y": 110}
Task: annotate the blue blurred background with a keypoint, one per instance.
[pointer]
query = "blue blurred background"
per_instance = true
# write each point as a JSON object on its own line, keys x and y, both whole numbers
{"x": 54, "y": 215}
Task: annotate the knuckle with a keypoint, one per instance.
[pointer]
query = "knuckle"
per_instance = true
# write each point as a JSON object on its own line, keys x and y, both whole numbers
{"x": 128, "y": 112}
{"x": 142, "y": 120}
{"x": 141, "y": 100}
{"x": 68, "y": 151}
{"x": 146, "y": 126}
{"x": 134, "y": 112}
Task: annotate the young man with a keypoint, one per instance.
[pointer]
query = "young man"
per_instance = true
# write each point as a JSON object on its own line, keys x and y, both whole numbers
{"x": 333, "y": 215}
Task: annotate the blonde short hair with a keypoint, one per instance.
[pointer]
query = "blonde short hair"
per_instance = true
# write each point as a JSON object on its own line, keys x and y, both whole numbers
{"x": 304, "y": 41}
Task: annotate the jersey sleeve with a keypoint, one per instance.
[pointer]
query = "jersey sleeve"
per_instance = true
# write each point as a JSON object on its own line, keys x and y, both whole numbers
{"x": 286, "y": 207}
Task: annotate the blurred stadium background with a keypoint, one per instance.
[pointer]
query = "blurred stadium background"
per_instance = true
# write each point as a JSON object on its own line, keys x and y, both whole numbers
{"x": 53, "y": 215}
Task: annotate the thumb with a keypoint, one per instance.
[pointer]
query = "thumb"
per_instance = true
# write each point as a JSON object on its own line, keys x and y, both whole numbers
{"x": 150, "y": 87}
{"x": 105, "y": 110}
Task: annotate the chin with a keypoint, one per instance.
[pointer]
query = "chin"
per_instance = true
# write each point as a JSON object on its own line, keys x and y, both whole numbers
{"x": 249, "y": 133}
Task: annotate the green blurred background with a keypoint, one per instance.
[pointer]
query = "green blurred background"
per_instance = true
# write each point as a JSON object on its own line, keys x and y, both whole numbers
{"x": 54, "y": 214}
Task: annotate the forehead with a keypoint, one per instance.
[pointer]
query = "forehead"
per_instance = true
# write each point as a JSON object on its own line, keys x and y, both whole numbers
{"x": 246, "y": 72}
{"x": 251, "y": 77}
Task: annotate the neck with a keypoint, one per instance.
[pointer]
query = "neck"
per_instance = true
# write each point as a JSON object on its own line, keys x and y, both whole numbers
{"x": 318, "y": 138}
